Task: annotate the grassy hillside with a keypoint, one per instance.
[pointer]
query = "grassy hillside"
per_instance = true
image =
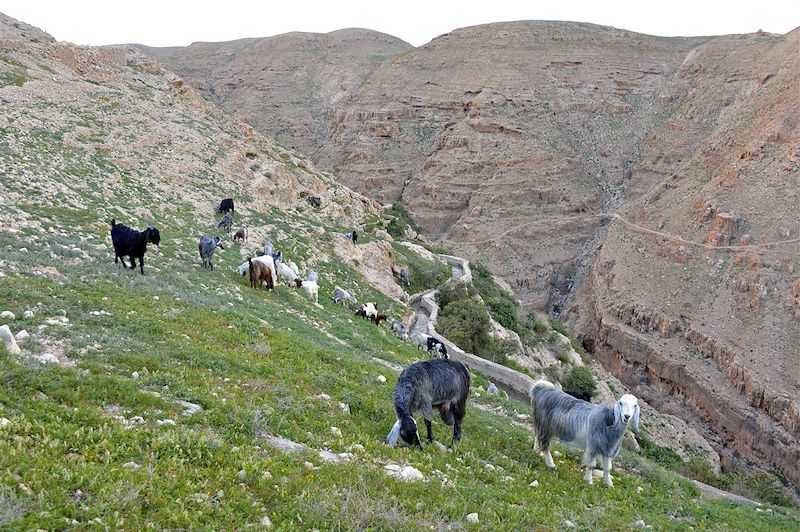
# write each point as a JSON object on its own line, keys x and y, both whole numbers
{"x": 101, "y": 439}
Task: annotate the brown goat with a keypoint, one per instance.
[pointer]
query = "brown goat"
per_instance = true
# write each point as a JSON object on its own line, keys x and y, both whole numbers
{"x": 260, "y": 272}
{"x": 241, "y": 234}
{"x": 378, "y": 319}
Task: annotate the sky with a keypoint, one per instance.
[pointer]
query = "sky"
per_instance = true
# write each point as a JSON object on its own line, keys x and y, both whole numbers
{"x": 180, "y": 22}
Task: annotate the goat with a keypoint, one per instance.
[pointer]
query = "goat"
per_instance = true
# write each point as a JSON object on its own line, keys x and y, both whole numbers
{"x": 260, "y": 272}
{"x": 132, "y": 243}
{"x": 241, "y": 234}
{"x": 286, "y": 274}
{"x": 225, "y": 205}
{"x": 293, "y": 267}
{"x": 315, "y": 201}
{"x": 352, "y": 237}
{"x": 311, "y": 287}
{"x": 207, "y": 246}
{"x": 312, "y": 276}
{"x": 226, "y": 222}
{"x": 266, "y": 259}
{"x": 341, "y": 295}
{"x": 440, "y": 384}
{"x": 405, "y": 277}
{"x": 436, "y": 347}
{"x": 277, "y": 256}
{"x": 379, "y": 318}
{"x": 596, "y": 429}
{"x": 399, "y": 329}
{"x": 368, "y": 311}
{"x": 268, "y": 247}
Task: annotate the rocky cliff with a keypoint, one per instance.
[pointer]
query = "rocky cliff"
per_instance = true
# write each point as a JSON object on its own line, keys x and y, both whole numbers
{"x": 645, "y": 186}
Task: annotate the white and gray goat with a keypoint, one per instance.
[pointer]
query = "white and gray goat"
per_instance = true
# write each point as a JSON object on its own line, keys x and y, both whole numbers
{"x": 595, "y": 428}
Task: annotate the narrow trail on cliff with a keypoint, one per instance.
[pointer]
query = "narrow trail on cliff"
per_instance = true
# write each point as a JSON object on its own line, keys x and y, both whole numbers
{"x": 767, "y": 246}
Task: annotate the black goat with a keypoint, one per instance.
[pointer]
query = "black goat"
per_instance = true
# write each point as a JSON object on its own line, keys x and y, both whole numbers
{"x": 225, "y": 205}
{"x": 440, "y": 384}
{"x": 132, "y": 243}
{"x": 436, "y": 347}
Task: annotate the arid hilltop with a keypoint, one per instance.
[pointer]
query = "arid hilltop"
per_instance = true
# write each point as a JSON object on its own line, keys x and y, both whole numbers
{"x": 645, "y": 187}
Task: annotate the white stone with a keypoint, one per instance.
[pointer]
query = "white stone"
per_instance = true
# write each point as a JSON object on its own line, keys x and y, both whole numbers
{"x": 165, "y": 421}
{"x": 639, "y": 489}
{"x": 266, "y": 521}
{"x": 7, "y": 315}
{"x": 9, "y": 340}
{"x": 488, "y": 467}
{"x": 22, "y": 336}
{"x": 131, "y": 465}
{"x": 597, "y": 473}
{"x": 381, "y": 378}
{"x": 640, "y": 523}
{"x": 336, "y": 431}
{"x": 556, "y": 454}
{"x": 323, "y": 397}
{"x": 4, "y": 422}
{"x": 569, "y": 524}
{"x": 534, "y": 484}
{"x": 410, "y": 473}
{"x": 135, "y": 374}
{"x": 473, "y": 518}
{"x": 345, "y": 408}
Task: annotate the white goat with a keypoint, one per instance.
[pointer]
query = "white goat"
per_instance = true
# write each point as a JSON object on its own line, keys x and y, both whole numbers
{"x": 286, "y": 274}
{"x": 312, "y": 288}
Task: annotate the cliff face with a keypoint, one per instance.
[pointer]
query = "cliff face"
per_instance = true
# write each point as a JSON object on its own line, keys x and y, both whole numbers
{"x": 518, "y": 143}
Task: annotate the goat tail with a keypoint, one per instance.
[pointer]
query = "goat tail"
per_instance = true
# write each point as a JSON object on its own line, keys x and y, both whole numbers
{"x": 113, "y": 222}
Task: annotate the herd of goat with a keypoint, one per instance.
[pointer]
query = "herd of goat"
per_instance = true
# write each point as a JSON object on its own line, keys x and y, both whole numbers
{"x": 441, "y": 383}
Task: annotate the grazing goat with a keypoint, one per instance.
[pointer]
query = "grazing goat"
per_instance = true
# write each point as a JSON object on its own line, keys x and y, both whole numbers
{"x": 293, "y": 267}
{"x": 225, "y": 205}
{"x": 399, "y": 329}
{"x": 341, "y": 295}
{"x": 596, "y": 429}
{"x": 266, "y": 259}
{"x": 268, "y": 248}
{"x": 241, "y": 234}
{"x": 312, "y": 276}
{"x": 311, "y": 287}
{"x": 368, "y": 311}
{"x": 405, "y": 277}
{"x": 315, "y": 201}
{"x": 436, "y": 347}
{"x": 132, "y": 243}
{"x": 379, "y": 318}
{"x": 440, "y": 384}
{"x": 277, "y": 256}
{"x": 226, "y": 222}
{"x": 286, "y": 274}
{"x": 207, "y": 246}
{"x": 352, "y": 237}
{"x": 260, "y": 272}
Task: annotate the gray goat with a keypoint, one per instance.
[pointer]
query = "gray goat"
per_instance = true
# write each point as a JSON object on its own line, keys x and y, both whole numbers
{"x": 207, "y": 246}
{"x": 596, "y": 429}
{"x": 405, "y": 277}
{"x": 399, "y": 329}
{"x": 423, "y": 386}
{"x": 226, "y": 222}
{"x": 341, "y": 295}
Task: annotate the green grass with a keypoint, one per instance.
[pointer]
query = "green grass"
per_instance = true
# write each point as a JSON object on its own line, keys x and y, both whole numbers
{"x": 255, "y": 362}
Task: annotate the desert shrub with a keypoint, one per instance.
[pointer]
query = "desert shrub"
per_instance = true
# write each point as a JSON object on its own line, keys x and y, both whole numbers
{"x": 580, "y": 379}
{"x": 502, "y": 305}
{"x": 466, "y": 323}
{"x": 658, "y": 454}
{"x": 453, "y": 292}
{"x": 552, "y": 373}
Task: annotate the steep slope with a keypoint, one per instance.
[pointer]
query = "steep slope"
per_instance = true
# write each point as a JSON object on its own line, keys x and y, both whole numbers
{"x": 698, "y": 307}
{"x": 517, "y": 142}
{"x": 185, "y": 399}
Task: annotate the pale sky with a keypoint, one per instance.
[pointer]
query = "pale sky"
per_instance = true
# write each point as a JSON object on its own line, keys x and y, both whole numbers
{"x": 179, "y": 23}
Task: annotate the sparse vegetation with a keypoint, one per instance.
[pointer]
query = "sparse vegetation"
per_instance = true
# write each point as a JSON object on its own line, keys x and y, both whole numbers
{"x": 580, "y": 379}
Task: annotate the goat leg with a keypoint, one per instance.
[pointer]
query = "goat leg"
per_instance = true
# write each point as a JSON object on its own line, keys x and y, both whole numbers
{"x": 141, "y": 264}
{"x": 133, "y": 262}
{"x": 607, "y": 471}
{"x": 430, "y": 432}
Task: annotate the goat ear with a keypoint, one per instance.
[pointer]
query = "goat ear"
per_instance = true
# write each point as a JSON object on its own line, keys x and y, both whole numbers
{"x": 617, "y": 412}
{"x": 636, "y": 420}
{"x": 394, "y": 434}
